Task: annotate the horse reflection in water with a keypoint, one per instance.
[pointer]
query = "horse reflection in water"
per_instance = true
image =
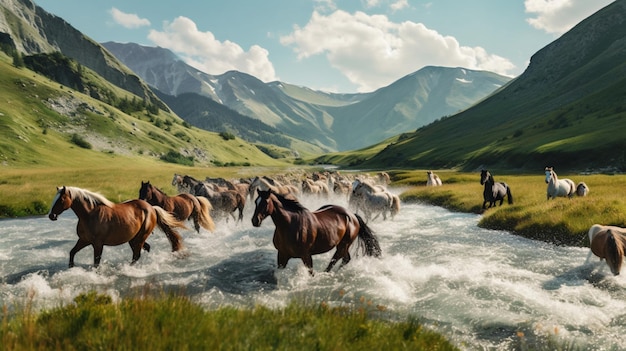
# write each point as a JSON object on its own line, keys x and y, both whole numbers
{"x": 301, "y": 233}
{"x": 102, "y": 222}
{"x": 608, "y": 243}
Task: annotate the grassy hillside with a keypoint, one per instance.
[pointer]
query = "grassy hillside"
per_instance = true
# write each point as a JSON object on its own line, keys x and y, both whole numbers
{"x": 566, "y": 110}
{"x": 46, "y": 124}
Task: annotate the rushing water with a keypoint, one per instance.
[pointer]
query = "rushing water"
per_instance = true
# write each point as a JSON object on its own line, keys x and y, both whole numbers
{"x": 481, "y": 288}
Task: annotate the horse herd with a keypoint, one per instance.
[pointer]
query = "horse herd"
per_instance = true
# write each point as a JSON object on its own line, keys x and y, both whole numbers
{"x": 299, "y": 233}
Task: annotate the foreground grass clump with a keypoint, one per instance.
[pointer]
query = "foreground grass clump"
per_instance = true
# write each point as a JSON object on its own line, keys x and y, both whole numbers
{"x": 175, "y": 323}
{"x": 560, "y": 221}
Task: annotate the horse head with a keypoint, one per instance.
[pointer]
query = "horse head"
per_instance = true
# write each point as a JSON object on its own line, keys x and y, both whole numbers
{"x": 549, "y": 174}
{"x": 61, "y": 202}
{"x": 484, "y": 176}
{"x": 144, "y": 190}
{"x": 264, "y": 207}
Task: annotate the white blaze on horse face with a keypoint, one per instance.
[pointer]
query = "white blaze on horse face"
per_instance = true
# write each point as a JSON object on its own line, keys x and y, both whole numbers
{"x": 257, "y": 201}
{"x": 54, "y": 201}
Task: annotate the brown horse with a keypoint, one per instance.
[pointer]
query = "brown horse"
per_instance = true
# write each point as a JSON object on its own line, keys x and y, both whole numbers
{"x": 608, "y": 243}
{"x": 102, "y": 222}
{"x": 301, "y": 233}
{"x": 182, "y": 206}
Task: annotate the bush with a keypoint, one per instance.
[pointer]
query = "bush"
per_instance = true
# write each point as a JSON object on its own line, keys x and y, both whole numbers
{"x": 79, "y": 141}
{"x": 175, "y": 157}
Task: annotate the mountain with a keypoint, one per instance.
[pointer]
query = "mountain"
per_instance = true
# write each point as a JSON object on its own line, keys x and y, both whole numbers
{"x": 69, "y": 102}
{"x": 29, "y": 30}
{"x": 329, "y": 120}
{"x": 567, "y": 110}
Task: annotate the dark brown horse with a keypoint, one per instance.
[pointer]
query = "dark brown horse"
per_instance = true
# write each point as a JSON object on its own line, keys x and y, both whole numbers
{"x": 102, "y": 222}
{"x": 301, "y": 233}
{"x": 182, "y": 206}
{"x": 608, "y": 243}
{"x": 494, "y": 191}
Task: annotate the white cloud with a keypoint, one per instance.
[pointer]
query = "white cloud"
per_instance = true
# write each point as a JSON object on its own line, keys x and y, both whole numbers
{"x": 204, "y": 52}
{"x": 372, "y": 51}
{"x": 559, "y": 16}
{"x": 128, "y": 20}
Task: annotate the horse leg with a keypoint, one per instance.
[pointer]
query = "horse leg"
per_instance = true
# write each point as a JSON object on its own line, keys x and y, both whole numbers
{"x": 282, "y": 260}
{"x": 307, "y": 259}
{"x": 196, "y": 220}
{"x": 80, "y": 244}
{"x": 342, "y": 252}
{"x": 97, "y": 253}
{"x": 146, "y": 247}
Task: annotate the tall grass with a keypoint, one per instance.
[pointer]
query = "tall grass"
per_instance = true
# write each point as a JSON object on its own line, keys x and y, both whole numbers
{"x": 560, "y": 221}
{"x": 176, "y": 323}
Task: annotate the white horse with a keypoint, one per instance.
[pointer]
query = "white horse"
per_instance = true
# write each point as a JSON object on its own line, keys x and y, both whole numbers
{"x": 433, "y": 179}
{"x": 373, "y": 199}
{"x": 559, "y": 187}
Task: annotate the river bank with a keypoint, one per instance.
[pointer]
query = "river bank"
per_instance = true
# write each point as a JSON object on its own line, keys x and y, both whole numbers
{"x": 561, "y": 221}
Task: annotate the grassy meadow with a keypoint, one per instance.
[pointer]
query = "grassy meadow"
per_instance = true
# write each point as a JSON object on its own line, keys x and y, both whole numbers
{"x": 560, "y": 221}
{"x": 175, "y": 323}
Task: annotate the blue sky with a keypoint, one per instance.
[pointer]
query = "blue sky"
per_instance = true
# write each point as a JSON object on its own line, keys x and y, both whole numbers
{"x": 334, "y": 45}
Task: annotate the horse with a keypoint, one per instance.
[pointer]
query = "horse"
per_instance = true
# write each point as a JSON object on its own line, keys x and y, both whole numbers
{"x": 264, "y": 183}
{"x": 102, "y": 222}
{"x": 494, "y": 191}
{"x": 374, "y": 199}
{"x": 433, "y": 179}
{"x": 315, "y": 187}
{"x": 558, "y": 187}
{"x": 183, "y": 206}
{"x": 301, "y": 233}
{"x": 608, "y": 243}
{"x": 177, "y": 181}
{"x": 582, "y": 189}
{"x": 226, "y": 202}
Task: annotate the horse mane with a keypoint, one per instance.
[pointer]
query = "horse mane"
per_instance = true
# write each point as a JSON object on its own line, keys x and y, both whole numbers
{"x": 289, "y": 203}
{"x": 93, "y": 198}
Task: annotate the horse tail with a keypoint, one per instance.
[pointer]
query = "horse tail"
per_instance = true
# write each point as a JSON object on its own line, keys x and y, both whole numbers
{"x": 205, "y": 219}
{"x": 509, "y": 196}
{"x": 241, "y": 203}
{"x": 368, "y": 239}
{"x": 615, "y": 250}
{"x": 167, "y": 222}
{"x": 395, "y": 205}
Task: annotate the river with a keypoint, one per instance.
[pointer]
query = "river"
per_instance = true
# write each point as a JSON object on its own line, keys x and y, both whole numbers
{"x": 481, "y": 288}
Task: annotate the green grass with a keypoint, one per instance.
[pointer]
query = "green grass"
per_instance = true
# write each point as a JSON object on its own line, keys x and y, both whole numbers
{"x": 176, "y": 323}
{"x": 560, "y": 221}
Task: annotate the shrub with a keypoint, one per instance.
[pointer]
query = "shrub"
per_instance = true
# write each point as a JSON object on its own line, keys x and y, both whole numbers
{"x": 79, "y": 141}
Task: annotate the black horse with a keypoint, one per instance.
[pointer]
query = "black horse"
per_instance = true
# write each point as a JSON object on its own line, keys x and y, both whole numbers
{"x": 494, "y": 191}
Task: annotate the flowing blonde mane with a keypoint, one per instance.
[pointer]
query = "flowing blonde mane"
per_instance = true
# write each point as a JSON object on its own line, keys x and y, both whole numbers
{"x": 93, "y": 198}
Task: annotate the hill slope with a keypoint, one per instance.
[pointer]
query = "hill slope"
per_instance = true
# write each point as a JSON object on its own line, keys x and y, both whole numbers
{"x": 567, "y": 109}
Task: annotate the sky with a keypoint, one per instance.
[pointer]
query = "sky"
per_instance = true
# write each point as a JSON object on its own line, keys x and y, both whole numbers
{"x": 343, "y": 46}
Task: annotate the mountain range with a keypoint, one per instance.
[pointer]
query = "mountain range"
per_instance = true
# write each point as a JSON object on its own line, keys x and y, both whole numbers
{"x": 330, "y": 120}
{"x": 566, "y": 110}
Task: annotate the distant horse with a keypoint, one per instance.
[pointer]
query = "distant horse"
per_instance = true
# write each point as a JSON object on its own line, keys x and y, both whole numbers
{"x": 177, "y": 181}
{"x": 374, "y": 200}
{"x": 582, "y": 189}
{"x": 264, "y": 183}
{"x": 226, "y": 202}
{"x": 608, "y": 243}
{"x": 558, "y": 187}
{"x": 301, "y": 233}
{"x": 183, "y": 206}
{"x": 102, "y": 222}
{"x": 433, "y": 179}
{"x": 315, "y": 187}
{"x": 494, "y": 191}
